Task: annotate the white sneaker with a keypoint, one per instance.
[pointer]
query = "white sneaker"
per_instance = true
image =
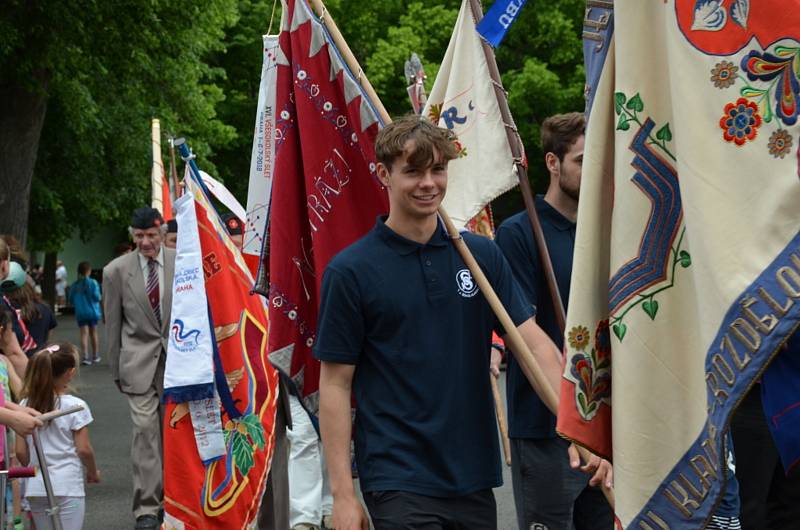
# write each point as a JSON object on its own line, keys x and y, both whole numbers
{"x": 86, "y": 362}
{"x": 97, "y": 359}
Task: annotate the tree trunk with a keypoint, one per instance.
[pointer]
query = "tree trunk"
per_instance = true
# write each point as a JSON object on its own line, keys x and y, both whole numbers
{"x": 22, "y": 115}
{"x": 49, "y": 278}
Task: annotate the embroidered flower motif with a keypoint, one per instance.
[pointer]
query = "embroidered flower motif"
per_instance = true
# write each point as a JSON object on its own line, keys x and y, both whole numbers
{"x": 578, "y": 337}
{"x": 780, "y": 143}
{"x": 461, "y": 151}
{"x": 740, "y": 122}
{"x": 602, "y": 338}
{"x": 723, "y": 74}
{"x": 593, "y": 378}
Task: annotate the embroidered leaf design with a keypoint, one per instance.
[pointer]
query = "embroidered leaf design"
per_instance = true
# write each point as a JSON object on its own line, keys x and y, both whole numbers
{"x": 651, "y": 308}
{"x": 435, "y": 112}
{"x": 619, "y": 101}
{"x": 685, "y": 259}
{"x": 620, "y": 330}
{"x": 740, "y": 10}
{"x": 254, "y": 429}
{"x": 242, "y": 452}
{"x": 664, "y": 134}
{"x": 623, "y": 124}
{"x": 582, "y": 403}
{"x": 635, "y": 104}
{"x": 709, "y": 15}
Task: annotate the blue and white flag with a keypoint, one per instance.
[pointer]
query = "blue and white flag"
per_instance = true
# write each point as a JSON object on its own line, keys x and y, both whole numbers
{"x": 498, "y": 19}
{"x": 189, "y": 373}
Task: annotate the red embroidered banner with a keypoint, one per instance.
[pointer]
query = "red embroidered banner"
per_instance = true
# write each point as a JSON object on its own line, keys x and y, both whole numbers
{"x": 224, "y": 493}
{"x": 325, "y": 192}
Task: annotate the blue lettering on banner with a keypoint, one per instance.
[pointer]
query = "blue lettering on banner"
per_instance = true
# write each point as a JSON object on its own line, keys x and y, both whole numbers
{"x": 451, "y": 117}
{"x": 754, "y": 327}
{"x": 498, "y": 19}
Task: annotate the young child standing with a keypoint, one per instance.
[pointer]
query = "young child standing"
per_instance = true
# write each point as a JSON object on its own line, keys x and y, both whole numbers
{"x": 65, "y": 440}
{"x": 84, "y": 295}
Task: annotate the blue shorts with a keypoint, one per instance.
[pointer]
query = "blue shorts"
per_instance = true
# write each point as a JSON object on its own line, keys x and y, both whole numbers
{"x": 91, "y": 322}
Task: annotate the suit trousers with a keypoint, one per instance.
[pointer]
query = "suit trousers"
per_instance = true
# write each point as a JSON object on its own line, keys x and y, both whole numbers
{"x": 274, "y": 511}
{"x": 146, "y": 449}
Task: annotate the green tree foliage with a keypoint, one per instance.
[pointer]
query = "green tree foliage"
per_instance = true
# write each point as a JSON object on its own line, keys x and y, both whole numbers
{"x": 541, "y": 60}
{"x": 241, "y": 60}
{"x": 105, "y": 69}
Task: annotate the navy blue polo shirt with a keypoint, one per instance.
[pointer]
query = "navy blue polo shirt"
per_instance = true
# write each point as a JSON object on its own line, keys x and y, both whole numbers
{"x": 413, "y": 321}
{"x": 528, "y": 417}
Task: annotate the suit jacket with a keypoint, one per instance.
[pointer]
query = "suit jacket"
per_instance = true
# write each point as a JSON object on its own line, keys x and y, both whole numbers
{"x": 135, "y": 341}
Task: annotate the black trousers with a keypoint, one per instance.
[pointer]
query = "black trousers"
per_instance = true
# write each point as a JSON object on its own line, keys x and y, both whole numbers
{"x": 401, "y": 510}
{"x": 549, "y": 494}
{"x": 770, "y": 499}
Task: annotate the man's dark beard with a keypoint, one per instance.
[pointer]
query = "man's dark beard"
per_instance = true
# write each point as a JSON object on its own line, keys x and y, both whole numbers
{"x": 571, "y": 193}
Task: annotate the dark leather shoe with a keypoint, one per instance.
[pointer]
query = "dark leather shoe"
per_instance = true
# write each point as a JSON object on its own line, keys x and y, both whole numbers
{"x": 147, "y": 522}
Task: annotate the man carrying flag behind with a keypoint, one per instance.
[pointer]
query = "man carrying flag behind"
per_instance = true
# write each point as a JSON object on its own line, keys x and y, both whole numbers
{"x": 403, "y": 325}
{"x": 546, "y": 490}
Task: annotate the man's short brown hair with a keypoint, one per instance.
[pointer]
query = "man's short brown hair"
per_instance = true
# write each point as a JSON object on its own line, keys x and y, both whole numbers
{"x": 428, "y": 140}
{"x": 561, "y": 131}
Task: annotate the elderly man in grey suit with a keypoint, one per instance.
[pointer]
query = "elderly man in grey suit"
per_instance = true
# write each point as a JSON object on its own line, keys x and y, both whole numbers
{"x": 137, "y": 300}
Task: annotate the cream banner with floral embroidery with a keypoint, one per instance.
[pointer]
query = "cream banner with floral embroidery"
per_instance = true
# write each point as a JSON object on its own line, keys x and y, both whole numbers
{"x": 463, "y": 100}
{"x": 687, "y": 258}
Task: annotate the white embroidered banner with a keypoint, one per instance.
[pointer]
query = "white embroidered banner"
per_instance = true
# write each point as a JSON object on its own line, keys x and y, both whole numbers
{"x": 463, "y": 100}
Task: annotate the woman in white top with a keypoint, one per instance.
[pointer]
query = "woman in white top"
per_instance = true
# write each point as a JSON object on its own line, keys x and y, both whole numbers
{"x": 65, "y": 440}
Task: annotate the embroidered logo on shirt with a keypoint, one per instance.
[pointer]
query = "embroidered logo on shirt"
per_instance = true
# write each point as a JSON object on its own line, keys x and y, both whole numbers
{"x": 466, "y": 285}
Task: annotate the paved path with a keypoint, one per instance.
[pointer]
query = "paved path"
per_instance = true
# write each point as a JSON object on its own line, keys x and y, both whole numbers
{"x": 108, "y": 504}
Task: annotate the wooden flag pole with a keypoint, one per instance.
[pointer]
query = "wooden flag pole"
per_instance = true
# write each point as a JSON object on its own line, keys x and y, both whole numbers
{"x": 157, "y": 167}
{"x": 502, "y": 424}
{"x": 515, "y": 143}
{"x": 173, "y": 171}
{"x": 527, "y": 361}
{"x": 501, "y": 419}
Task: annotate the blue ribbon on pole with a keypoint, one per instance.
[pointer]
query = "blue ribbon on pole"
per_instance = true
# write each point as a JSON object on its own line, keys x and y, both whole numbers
{"x": 494, "y": 25}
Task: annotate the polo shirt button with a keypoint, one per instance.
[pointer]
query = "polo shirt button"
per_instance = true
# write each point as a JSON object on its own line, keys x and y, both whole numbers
{"x": 428, "y": 263}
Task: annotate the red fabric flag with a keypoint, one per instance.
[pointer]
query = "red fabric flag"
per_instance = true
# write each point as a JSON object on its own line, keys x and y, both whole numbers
{"x": 325, "y": 193}
{"x": 224, "y": 493}
{"x": 166, "y": 198}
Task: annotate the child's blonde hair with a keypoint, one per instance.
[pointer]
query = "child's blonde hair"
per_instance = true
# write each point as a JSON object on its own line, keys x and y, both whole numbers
{"x": 47, "y": 365}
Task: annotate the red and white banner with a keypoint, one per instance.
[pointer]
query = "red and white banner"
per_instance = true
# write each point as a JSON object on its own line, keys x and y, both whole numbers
{"x": 325, "y": 191}
{"x": 223, "y": 492}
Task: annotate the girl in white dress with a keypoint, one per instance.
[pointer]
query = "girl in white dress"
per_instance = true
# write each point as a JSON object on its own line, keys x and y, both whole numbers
{"x": 65, "y": 440}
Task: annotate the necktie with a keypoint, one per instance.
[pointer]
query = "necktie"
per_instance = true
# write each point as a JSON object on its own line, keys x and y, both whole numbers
{"x": 152, "y": 289}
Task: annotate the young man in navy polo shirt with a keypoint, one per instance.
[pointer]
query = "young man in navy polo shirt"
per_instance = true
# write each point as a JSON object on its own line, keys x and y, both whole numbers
{"x": 404, "y": 327}
{"x": 547, "y": 491}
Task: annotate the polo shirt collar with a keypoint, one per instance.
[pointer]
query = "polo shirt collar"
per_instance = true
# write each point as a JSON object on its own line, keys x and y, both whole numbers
{"x": 404, "y": 246}
{"x": 560, "y": 222}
